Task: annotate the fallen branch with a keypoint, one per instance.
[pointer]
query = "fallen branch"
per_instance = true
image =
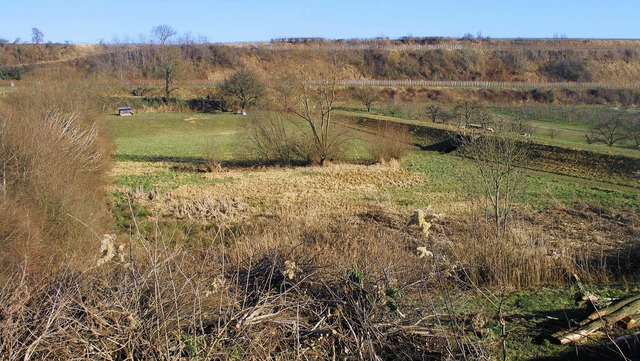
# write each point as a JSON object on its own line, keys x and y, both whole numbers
{"x": 623, "y": 311}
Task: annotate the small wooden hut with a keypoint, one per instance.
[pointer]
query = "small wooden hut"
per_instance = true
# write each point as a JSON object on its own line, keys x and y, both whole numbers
{"x": 125, "y": 111}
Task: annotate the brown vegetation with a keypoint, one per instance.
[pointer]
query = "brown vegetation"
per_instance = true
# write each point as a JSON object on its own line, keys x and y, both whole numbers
{"x": 392, "y": 142}
{"x": 304, "y": 279}
{"x": 610, "y": 62}
{"x": 54, "y": 162}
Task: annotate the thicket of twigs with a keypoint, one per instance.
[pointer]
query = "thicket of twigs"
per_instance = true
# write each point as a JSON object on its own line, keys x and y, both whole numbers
{"x": 54, "y": 158}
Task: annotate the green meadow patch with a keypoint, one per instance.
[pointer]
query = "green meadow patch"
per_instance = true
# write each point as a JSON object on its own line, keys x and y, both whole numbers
{"x": 165, "y": 180}
{"x": 177, "y": 136}
{"x": 191, "y": 137}
{"x": 448, "y": 178}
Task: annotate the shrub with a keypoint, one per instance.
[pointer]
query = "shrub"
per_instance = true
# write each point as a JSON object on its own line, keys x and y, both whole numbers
{"x": 10, "y": 74}
{"x": 54, "y": 161}
{"x": 273, "y": 140}
{"x": 393, "y": 142}
{"x": 210, "y": 152}
{"x": 568, "y": 70}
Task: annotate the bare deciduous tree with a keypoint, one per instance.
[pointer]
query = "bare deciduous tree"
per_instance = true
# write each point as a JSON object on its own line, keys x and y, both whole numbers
{"x": 497, "y": 157}
{"x": 169, "y": 58}
{"x": 610, "y": 128}
{"x": 633, "y": 129}
{"x": 435, "y": 112}
{"x": 244, "y": 87}
{"x": 310, "y": 95}
{"x": 468, "y": 110}
{"x": 163, "y": 33}
{"x": 37, "y": 37}
{"x": 366, "y": 96}
{"x": 170, "y": 66}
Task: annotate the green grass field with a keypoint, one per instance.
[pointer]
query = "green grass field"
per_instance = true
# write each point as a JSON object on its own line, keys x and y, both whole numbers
{"x": 546, "y": 124}
{"x": 565, "y": 126}
{"x": 448, "y": 176}
{"x": 176, "y": 136}
{"x": 181, "y": 137}
{"x": 184, "y": 136}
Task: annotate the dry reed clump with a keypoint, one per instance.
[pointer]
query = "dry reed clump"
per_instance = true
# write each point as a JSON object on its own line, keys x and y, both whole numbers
{"x": 207, "y": 210}
{"x": 332, "y": 189}
{"x": 537, "y": 250}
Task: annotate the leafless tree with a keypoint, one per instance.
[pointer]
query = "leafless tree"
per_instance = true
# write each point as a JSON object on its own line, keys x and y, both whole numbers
{"x": 497, "y": 157}
{"x": 163, "y": 33}
{"x": 170, "y": 63}
{"x": 435, "y": 112}
{"x": 310, "y": 95}
{"x": 37, "y": 37}
{"x": 244, "y": 87}
{"x": 610, "y": 128}
{"x": 468, "y": 110}
{"x": 633, "y": 130}
{"x": 366, "y": 96}
{"x": 169, "y": 58}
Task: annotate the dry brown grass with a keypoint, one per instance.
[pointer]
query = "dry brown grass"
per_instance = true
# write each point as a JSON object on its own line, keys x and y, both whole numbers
{"x": 279, "y": 290}
{"x": 332, "y": 189}
{"x": 344, "y": 216}
{"x": 312, "y": 280}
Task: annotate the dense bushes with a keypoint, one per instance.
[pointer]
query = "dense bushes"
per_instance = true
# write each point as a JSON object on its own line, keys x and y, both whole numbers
{"x": 10, "y": 74}
{"x": 54, "y": 160}
{"x": 568, "y": 70}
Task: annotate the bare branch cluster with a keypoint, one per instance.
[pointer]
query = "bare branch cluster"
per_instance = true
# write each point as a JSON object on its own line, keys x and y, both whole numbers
{"x": 497, "y": 157}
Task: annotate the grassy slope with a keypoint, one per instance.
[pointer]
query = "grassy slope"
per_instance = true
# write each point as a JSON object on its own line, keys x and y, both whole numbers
{"x": 541, "y": 189}
{"x": 568, "y": 134}
{"x": 553, "y": 130}
{"x": 447, "y": 177}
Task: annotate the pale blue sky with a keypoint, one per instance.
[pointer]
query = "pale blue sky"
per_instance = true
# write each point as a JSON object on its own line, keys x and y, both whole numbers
{"x": 88, "y": 21}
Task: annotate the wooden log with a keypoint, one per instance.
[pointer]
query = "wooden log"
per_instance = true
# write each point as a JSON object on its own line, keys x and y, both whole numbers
{"x": 607, "y": 316}
{"x": 611, "y": 309}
